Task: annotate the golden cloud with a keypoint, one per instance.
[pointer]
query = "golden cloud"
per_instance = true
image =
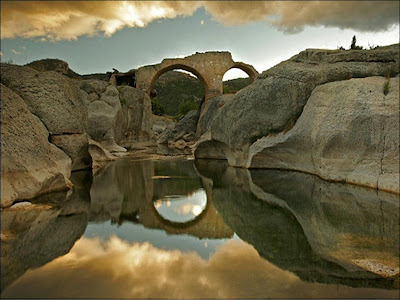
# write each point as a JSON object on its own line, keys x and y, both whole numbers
{"x": 118, "y": 269}
{"x": 67, "y": 20}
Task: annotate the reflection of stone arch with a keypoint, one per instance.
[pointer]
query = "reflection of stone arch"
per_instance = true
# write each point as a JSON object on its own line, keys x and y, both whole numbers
{"x": 180, "y": 225}
{"x": 175, "y": 67}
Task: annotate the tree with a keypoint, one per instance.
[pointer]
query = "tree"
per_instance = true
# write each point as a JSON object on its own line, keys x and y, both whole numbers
{"x": 353, "y": 43}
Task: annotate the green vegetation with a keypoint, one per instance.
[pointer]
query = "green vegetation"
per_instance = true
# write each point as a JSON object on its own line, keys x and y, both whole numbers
{"x": 185, "y": 107}
{"x": 156, "y": 107}
{"x": 178, "y": 92}
{"x": 353, "y": 45}
{"x": 177, "y": 88}
{"x": 387, "y": 82}
{"x": 386, "y": 87}
{"x": 234, "y": 85}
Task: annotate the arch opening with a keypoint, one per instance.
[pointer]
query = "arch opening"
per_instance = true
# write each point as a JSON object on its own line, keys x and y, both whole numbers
{"x": 235, "y": 79}
{"x": 176, "y": 89}
{"x": 181, "y": 209}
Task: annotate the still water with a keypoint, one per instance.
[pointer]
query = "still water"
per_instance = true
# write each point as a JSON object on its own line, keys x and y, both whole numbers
{"x": 201, "y": 229}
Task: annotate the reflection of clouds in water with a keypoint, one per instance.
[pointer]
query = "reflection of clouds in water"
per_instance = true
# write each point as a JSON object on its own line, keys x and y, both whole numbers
{"x": 189, "y": 208}
{"x": 120, "y": 269}
{"x": 182, "y": 208}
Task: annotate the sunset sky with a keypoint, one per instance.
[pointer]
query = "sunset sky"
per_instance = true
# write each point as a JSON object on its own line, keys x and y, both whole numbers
{"x": 96, "y": 36}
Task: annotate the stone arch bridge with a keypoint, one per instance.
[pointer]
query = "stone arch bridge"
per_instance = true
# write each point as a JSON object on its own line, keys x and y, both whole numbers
{"x": 209, "y": 67}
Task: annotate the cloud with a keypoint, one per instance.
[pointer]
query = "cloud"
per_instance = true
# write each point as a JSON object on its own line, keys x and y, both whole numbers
{"x": 119, "y": 269}
{"x": 67, "y": 20}
{"x": 15, "y": 51}
{"x": 292, "y": 16}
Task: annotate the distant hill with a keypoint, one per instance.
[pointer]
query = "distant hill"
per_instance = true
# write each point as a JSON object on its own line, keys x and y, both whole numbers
{"x": 177, "y": 88}
{"x": 174, "y": 88}
{"x": 234, "y": 85}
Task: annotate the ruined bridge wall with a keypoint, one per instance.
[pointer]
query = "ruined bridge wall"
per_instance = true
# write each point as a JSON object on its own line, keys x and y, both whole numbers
{"x": 209, "y": 67}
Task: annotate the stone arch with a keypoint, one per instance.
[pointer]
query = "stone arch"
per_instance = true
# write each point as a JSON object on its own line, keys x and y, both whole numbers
{"x": 248, "y": 69}
{"x": 166, "y": 69}
{"x": 209, "y": 67}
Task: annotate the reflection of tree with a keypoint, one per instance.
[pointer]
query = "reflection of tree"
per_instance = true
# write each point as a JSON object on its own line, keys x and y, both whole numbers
{"x": 306, "y": 225}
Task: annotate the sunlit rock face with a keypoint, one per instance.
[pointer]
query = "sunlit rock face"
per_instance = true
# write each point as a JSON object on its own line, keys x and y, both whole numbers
{"x": 164, "y": 195}
{"x": 34, "y": 235}
{"x": 346, "y": 129}
{"x": 30, "y": 165}
{"x": 318, "y": 230}
{"x": 58, "y": 102}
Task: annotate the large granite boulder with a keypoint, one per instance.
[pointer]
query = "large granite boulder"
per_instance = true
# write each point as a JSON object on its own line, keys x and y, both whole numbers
{"x": 184, "y": 131}
{"x": 104, "y": 113}
{"x": 274, "y": 102}
{"x": 348, "y": 131}
{"x": 30, "y": 165}
{"x": 58, "y": 102}
{"x": 54, "y": 98}
{"x": 137, "y": 115}
{"x": 51, "y": 64}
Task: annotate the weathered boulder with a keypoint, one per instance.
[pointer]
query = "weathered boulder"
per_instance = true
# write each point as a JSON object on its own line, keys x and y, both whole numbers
{"x": 57, "y": 101}
{"x": 161, "y": 123}
{"x": 54, "y": 98}
{"x": 274, "y": 102}
{"x": 76, "y": 147}
{"x": 348, "y": 131}
{"x": 276, "y": 99}
{"x": 184, "y": 130}
{"x": 209, "y": 111}
{"x": 98, "y": 154}
{"x": 51, "y": 64}
{"x": 104, "y": 114}
{"x": 30, "y": 165}
{"x": 137, "y": 125}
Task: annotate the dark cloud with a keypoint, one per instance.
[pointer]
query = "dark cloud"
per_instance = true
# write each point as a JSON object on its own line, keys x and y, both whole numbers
{"x": 70, "y": 19}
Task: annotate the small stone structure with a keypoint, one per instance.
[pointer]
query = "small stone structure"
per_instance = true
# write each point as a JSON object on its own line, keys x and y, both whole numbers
{"x": 209, "y": 67}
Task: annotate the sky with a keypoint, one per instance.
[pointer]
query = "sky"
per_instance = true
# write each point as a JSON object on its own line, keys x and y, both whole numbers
{"x": 96, "y": 36}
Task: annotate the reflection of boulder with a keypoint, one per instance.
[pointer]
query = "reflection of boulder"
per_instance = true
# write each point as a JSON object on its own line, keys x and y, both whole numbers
{"x": 126, "y": 190}
{"x": 37, "y": 234}
{"x": 303, "y": 224}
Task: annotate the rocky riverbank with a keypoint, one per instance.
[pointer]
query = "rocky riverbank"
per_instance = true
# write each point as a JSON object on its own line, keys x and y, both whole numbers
{"x": 332, "y": 113}
{"x": 53, "y": 124}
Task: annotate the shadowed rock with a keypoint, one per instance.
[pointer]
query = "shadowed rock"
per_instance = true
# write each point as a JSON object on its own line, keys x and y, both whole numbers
{"x": 316, "y": 229}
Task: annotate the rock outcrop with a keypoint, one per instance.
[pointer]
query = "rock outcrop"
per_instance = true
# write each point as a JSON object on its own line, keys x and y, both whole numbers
{"x": 30, "y": 165}
{"x": 348, "y": 131}
{"x": 272, "y": 105}
{"x": 49, "y": 118}
{"x": 138, "y": 118}
{"x": 183, "y": 133}
{"x": 60, "y": 105}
